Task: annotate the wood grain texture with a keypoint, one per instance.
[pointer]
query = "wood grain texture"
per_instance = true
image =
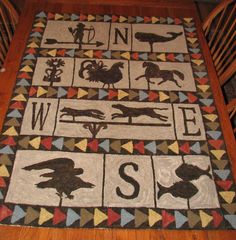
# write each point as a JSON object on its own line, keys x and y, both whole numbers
{"x": 175, "y": 8}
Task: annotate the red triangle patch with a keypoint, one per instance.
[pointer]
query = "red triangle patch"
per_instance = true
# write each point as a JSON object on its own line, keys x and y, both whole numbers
{"x": 210, "y": 109}
{"x": 177, "y": 21}
{"x": 47, "y": 142}
{"x": 185, "y": 148}
{"x": 61, "y": 52}
{"x": 9, "y": 141}
{"x": 225, "y": 184}
{"x": 140, "y": 147}
{"x": 217, "y": 218}
{"x": 17, "y": 105}
{"x": 2, "y": 182}
{"x": 32, "y": 91}
{"x": 82, "y": 17}
{"x": 93, "y": 145}
{"x": 58, "y": 216}
{"x": 202, "y": 81}
{"x": 192, "y": 98}
{"x": 135, "y": 56}
{"x": 171, "y": 57}
{"x": 167, "y": 218}
{"x": 112, "y": 217}
{"x": 216, "y": 143}
{"x": 147, "y": 19}
{"x": 191, "y": 34}
{"x": 114, "y": 18}
{"x": 24, "y": 75}
{"x": 38, "y": 29}
{"x": 31, "y": 51}
{"x": 112, "y": 94}
{"x": 4, "y": 212}
{"x": 72, "y": 92}
{"x": 51, "y": 16}
{"x": 98, "y": 54}
{"x": 196, "y": 56}
{"x": 152, "y": 96}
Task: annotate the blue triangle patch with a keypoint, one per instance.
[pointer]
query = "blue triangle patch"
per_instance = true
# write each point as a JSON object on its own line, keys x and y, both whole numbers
{"x": 22, "y": 82}
{"x": 170, "y": 20}
{"x": 126, "y": 217}
{"x": 41, "y": 15}
{"x": 1, "y": 196}
{"x": 231, "y": 219}
{"x": 107, "y": 18}
{"x": 18, "y": 214}
{"x": 142, "y": 95}
{"x": 151, "y": 147}
{"x": 223, "y": 174}
{"x": 214, "y": 134}
{"x": 200, "y": 74}
{"x": 182, "y": 97}
{"x": 180, "y": 57}
{"x": 206, "y": 102}
{"x": 29, "y": 57}
{"x": 61, "y": 92}
{"x": 107, "y": 54}
{"x": 6, "y": 150}
{"x": 102, "y": 93}
{"x": 14, "y": 114}
{"x": 194, "y": 50}
{"x": 72, "y": 216}
{"x": 71, "y": 52}
{"x": 105, "y": 145}
{"x": 196, "y": 148}
{"x": 36, "y": 34}
{"x": 58, "y": 143}
{"x": 190, "y": 29}
{"x": 74, "y": 17}
{"x": 143, "y": 56}
{"x": 139, "y": 19}
{"x": 180, "y": 219}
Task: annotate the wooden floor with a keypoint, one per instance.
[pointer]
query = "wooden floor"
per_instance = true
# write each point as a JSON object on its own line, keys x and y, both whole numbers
{"x": 172, "y": 8}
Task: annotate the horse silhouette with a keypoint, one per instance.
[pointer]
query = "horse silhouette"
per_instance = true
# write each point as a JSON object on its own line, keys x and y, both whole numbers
{"x": 153, "y": 71}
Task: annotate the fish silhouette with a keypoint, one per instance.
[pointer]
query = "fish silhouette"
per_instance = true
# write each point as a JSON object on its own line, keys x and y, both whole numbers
{"x": 63, "y": 178}
{"x": 180, "y": 189}
{"x": 188, "y": 172}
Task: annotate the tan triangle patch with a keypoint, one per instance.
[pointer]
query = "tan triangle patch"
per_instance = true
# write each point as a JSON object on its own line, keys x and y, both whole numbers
{"x": 128, "y": 146}
{"x": 4, "y": 172}
{"x": 174, "y": 147}
{"x": 153, "y": 217}
{"x": 228, "y": 196}
{"x": 44, "y": 216}
{"x": 82, "y": 145}
{"x": 205, "y": 218}
{"x": 11, "y": 132}
{"x": 140, "y": 218}
{"x": 218, "y": 153}
{"x": 99, "y": 217}
{"x": 35, "y": 143}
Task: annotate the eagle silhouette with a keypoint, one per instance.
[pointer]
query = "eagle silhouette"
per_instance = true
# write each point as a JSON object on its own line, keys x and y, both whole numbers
{"x": 63, "y": 177}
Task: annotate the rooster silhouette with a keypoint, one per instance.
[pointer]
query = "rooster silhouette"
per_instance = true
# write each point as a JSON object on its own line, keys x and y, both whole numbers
{"x": 64, "y": 177}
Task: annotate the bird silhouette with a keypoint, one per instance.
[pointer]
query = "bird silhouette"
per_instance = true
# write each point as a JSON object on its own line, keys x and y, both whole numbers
{"x": 64, "y": 177}
{"x": 152, "y": 38}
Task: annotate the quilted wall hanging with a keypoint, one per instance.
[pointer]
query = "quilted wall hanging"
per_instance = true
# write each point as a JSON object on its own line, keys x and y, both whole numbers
{"x": 112, "y": 124}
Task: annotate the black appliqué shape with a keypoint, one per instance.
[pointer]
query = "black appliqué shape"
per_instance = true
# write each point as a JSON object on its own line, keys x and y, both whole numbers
{"x": 98, "y": 72}
{"x": 78, "y": 36}
{"x": 53, "y": 72}
{"x": 180, "y": 189}
{"x": 131, "y": 112}
{"x": 93, "y": 113}
{"x": 153, "y": 71}
{"x": 188, "y": 172}
{"x": 152, "y": 38}
{"x": 63, "y": 178}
